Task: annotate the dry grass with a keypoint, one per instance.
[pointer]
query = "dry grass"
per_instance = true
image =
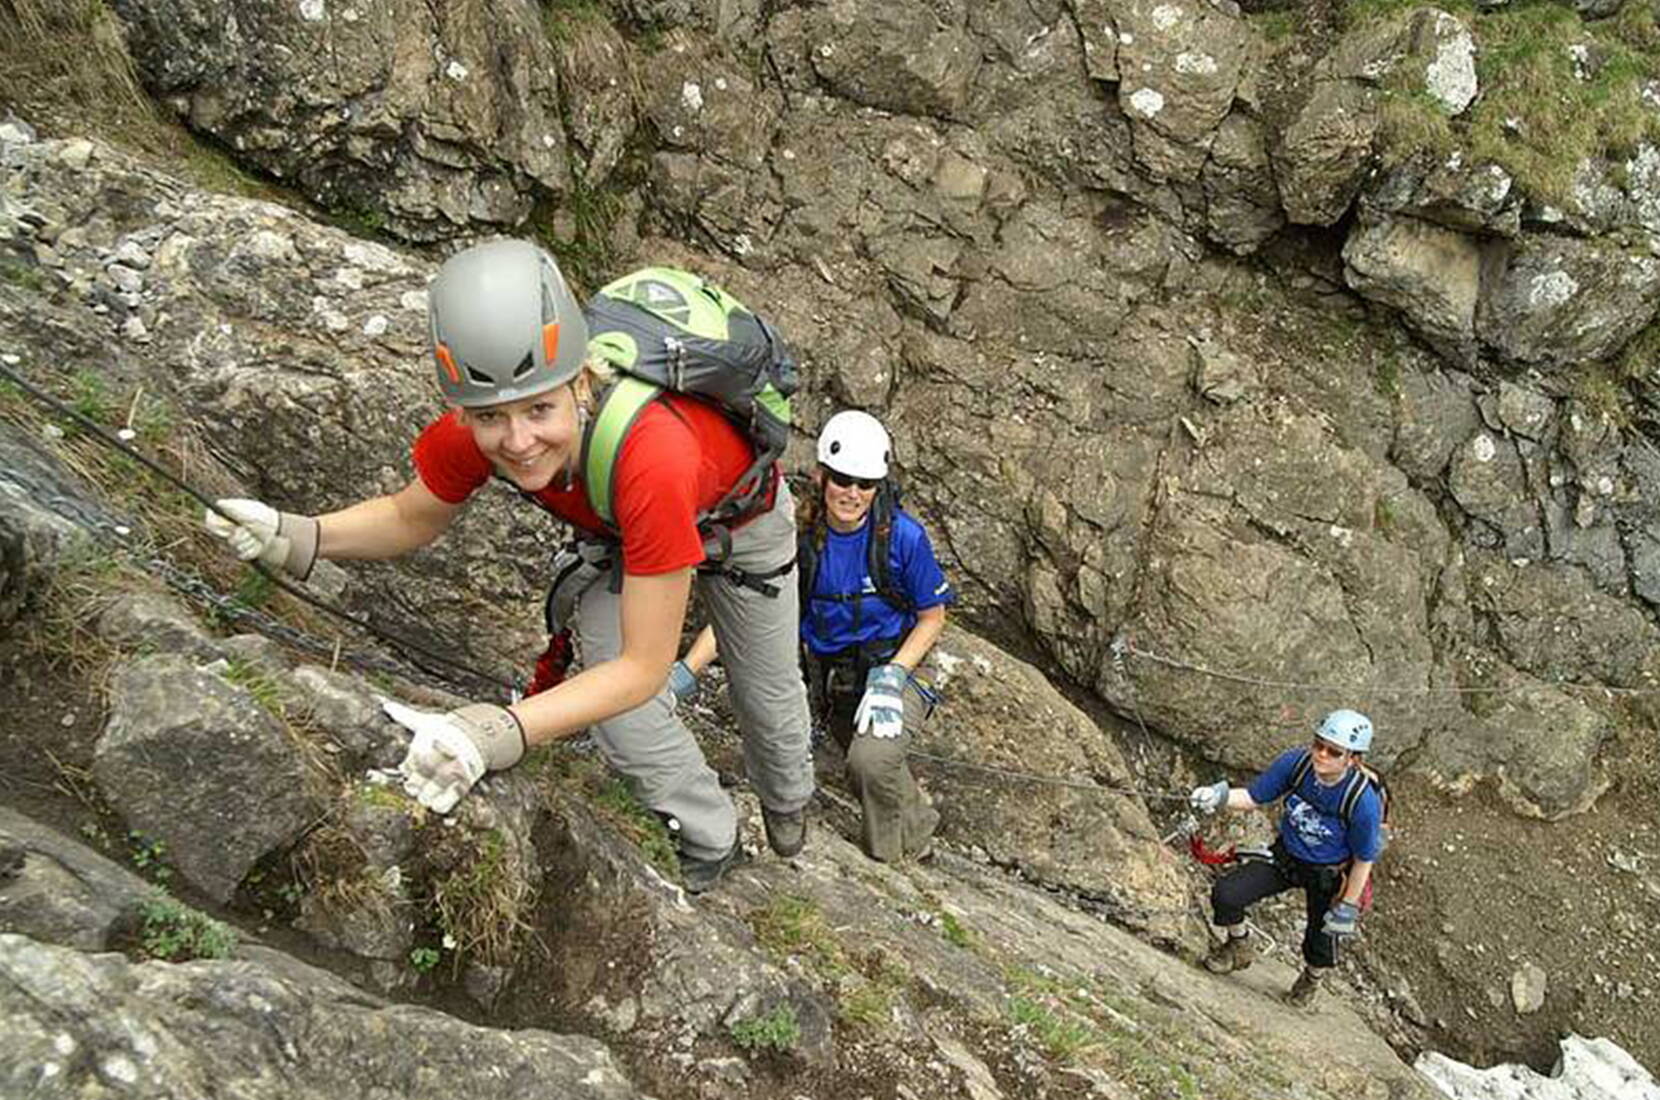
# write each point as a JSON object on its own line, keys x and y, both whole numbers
{"x": 70, "y": 53}
{"x": 486, "y": 898}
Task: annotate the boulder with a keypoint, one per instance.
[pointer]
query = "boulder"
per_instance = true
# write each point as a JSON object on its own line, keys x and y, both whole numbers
{"x": 1179, "y": 66}
{"x": 1019, "y": 772}
{"x": 47, "y": 518}
{"x": 429, "y": 125}
{"x": 1553, "y": 302}
{"x": 242, "y": 1027}
{"x": 195, "y": 764}
{"x": 1431, "y": 274}
{"x": 901, "y": 58}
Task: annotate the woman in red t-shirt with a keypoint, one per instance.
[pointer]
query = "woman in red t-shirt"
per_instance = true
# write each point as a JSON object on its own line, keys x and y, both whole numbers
{"x": 510, "y": 344}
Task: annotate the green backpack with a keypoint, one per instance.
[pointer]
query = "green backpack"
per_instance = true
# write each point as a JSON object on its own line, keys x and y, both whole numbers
{"x": 664, "y": 329}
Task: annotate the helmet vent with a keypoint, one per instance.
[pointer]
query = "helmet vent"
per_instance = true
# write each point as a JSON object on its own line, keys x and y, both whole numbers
{"x": 526, "y": 365}
{"x": 479, "y": 378}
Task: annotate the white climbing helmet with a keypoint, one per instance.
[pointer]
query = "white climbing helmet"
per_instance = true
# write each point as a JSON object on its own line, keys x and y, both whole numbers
{"x": 855, "y": 443}
{"x": 1347, "y": 729}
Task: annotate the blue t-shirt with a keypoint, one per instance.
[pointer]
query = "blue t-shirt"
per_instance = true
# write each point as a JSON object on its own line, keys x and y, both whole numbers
{"x": 829, "y": 625}
{"x": 1312, "y": 825}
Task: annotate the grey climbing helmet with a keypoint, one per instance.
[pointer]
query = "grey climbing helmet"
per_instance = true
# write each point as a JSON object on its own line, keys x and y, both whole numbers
{"x": 1347, "y": 729}
{"x": 504, "y": 324}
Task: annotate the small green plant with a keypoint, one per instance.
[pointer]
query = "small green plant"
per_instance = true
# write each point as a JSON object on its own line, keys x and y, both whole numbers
{"x": 424, "y": 959}
{"x": 95, "y": 833}
{"x": 776, "y": 1030}
{"x": 1062, "y": 1037}
{"x": 149, "y": 856}
{"x": 173, "y": 931}
{"x": 954, "y": 931}
{"x": 638, "y": 823}
{"x": 89, "y": 395}
{"x": 291, "y": 893}
{"x": 254, "y": 589}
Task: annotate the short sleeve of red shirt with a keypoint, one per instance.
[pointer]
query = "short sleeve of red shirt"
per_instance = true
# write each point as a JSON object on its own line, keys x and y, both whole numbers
{"x": 447, "y": 460}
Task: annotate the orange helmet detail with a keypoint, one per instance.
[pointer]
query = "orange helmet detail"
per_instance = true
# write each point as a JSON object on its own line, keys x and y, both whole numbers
{"x": 447, "y": 361}
{"x": 550, "y": 342}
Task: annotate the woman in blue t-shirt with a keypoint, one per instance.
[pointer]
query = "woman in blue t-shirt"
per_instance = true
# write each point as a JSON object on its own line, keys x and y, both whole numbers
{"x": 1331, "y": 833}
{"x": 872, "y": 605}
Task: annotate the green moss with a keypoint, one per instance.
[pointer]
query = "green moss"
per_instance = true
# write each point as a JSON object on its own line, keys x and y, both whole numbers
{"x": 564, "y": 20}
{"x": 1277, "y": 25}
{"x": 1600, "y": 388}
{"x": 1537, "y": 118}
{"x": 1413, "y": 123}
{"x": 1361, "y": 13}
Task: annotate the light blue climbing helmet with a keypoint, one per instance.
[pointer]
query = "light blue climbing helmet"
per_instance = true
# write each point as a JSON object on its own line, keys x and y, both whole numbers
{"x": 1347, "y": 729}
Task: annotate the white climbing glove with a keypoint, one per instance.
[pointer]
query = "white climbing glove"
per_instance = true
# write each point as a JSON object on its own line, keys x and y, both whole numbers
{"x": 881, "y": 710}
{"x": 450, "y": 752}
{"x": 280, "y": 540}
{"x": 1207, "y": 800}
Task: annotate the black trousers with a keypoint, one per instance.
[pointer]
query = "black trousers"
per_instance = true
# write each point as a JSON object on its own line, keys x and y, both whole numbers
{"x": 1248, "y": 884}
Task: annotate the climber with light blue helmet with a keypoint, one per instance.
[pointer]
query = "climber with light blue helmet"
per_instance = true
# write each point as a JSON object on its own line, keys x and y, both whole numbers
{"x": 1331, "y": 833}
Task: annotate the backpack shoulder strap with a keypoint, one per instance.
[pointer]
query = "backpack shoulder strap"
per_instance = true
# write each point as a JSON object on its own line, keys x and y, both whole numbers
{"x": 884, "y": 515}
{"x": 1305, "y": 764}
{"x": 1355, "y": 790}
{"x": 619, "y": 407}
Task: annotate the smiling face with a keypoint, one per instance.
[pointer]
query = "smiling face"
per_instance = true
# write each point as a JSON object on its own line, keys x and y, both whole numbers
{"x": 1330, "y": 762}
{"x": 847, "y": 500}
{"x": 531, "y": 440}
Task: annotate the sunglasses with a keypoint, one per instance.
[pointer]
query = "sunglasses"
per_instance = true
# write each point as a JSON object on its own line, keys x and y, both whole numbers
{"x": 846, "y": 481}
{"x": 1322, "y": 748}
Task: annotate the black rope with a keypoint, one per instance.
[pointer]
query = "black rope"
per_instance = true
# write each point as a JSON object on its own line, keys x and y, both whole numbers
{"x": 97, "y": 431}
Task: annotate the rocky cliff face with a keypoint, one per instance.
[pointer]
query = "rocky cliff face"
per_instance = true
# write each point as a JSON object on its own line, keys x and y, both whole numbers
{"x": 1244, "y": 364}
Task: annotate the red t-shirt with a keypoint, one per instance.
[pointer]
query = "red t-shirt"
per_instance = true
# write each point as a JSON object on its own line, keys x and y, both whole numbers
{"x": 669, "y": 469}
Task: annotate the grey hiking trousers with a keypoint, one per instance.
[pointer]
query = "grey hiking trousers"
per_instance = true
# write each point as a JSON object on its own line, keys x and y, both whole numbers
{"x": 757, "y": 634}
{"x": 897, "y": 820}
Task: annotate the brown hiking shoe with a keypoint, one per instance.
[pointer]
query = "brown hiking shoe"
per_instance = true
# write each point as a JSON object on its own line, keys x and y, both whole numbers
{"x": 786, "y": 832}
{"x": 1304, "y": 989}
{"x": 1233, "y": 953}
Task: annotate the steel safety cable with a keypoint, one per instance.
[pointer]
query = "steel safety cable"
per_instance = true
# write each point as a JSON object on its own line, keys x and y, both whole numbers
{"x": 97, "y": 431}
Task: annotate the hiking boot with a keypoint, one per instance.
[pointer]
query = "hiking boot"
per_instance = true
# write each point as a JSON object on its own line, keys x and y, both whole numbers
{"x": 1233, "y": 953}
{"x": 1307, "y": 985}
{"x": 700, "y": 875}
{"x": 786, "y": 831}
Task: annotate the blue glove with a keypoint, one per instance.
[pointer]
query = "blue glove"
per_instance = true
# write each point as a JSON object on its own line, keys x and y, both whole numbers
{"x": 881, "y": 711}
{"x": 1342, "y": 919}
{"x": 1207, "y": 800}
{"x": 682, "y": 681}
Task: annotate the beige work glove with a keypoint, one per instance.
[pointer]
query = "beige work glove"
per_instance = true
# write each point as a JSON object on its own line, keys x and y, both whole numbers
{"x": 280, "y": 540}
{"x": 450, "y": 752}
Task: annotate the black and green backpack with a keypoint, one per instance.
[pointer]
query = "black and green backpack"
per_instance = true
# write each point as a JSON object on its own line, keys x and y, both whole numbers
{"x": 664, "y": 329}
